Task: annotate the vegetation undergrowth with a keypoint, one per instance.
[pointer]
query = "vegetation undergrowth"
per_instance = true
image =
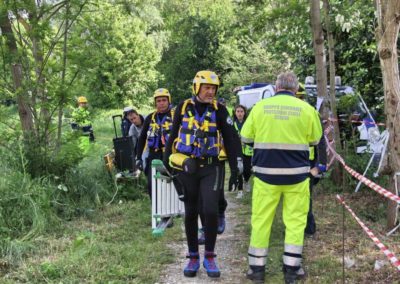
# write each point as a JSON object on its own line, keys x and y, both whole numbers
{"x": 38, "y": 215}
{"x": 113, "y": 246}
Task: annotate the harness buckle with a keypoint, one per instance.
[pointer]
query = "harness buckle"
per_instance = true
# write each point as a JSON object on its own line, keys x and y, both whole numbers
{"x": 199, "y": 133}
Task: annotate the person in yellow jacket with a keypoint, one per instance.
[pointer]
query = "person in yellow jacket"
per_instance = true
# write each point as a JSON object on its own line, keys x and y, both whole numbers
{"x": 81, "y": 118}
{"x": 281, "y": 129}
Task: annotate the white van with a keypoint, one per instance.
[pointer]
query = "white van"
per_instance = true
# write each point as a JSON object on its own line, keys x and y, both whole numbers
{"x": 251, "y": 94}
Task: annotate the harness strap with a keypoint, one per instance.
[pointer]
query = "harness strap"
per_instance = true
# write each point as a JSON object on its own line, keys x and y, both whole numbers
{"x": 199, "y": 133}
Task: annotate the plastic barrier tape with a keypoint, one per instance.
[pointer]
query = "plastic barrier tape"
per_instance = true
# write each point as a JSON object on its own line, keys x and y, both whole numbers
{"x": 363, "y": 179}
{"x": 392, "y": 258}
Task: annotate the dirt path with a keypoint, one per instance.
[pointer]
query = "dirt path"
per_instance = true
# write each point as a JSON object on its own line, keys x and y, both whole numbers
{"x": 230, "y": 250}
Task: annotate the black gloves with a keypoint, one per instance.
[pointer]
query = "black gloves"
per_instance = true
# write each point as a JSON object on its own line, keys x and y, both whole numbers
{"x": 233, "y": 181}
{"x": 166, "y": 162}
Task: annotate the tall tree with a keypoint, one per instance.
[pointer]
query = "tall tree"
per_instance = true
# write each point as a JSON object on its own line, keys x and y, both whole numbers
{"x": 320, "y": 59}
{"x": 332, "y": 84}
{"x": 388, "y": 12}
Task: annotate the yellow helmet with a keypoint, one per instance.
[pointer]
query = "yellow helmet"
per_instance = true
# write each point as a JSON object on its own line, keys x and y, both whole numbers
{"x": 162, "y": 92}
{"x": 301, "y": 92}
{"x": 204, "y": 77}
{"x": 82, "y": 100}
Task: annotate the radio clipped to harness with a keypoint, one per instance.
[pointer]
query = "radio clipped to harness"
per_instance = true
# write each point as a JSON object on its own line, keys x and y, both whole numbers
{"x": 183, "y": 162}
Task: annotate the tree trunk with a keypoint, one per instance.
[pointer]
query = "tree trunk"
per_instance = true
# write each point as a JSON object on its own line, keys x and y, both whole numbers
{"x": 24, "y": 110}
{"x": 40, "y": 88}
{"x": 320, "y": 61}
{"x": 63, "y": 87}
{"x": 332, "y": 93}
{"x": 388, "y": 12}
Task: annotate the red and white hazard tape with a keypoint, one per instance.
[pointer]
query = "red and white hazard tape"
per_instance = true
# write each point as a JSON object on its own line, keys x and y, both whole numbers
{"x": 363, "y": 179}
{"x": 328, "y": 130}
{"x": 357, "y": 121}
{"x": 392, "y": 258}
{"x": 330, "y": 162}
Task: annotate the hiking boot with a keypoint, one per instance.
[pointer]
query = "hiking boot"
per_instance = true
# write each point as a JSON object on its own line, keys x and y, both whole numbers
{"x": 256, "y": 274}
{"x": 210, "y": 265}
{"x": 301, "y": 273}
{"x": 221, "y": 223}
{"x": 240, "y": 194}
{"x": 290, "y": 278}
{"x": 193, "y": 265}
{"x": 202, "y": 238}
{"x": 292, "y": 275}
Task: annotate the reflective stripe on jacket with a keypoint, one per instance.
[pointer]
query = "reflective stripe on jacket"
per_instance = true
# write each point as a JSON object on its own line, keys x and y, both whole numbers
{"x": 246, "y": 149}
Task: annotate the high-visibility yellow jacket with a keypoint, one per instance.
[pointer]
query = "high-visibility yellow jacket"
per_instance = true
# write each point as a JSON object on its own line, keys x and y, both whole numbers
{"x": 81, "y": 116}
{"x": 282, "y": 128}
{"x": 246, "y": 149}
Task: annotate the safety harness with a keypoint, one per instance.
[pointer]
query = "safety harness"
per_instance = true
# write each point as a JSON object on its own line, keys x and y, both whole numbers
{"x": 198, "y": 136}
{"x": 159, "y": 131}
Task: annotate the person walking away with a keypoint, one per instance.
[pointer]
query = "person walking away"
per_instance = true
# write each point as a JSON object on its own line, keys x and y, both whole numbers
{"x": 247, "y": 151}
{"x": 199, "y": 124}
{"x": 281, "y": 129}
{"x": 155, "y": 133}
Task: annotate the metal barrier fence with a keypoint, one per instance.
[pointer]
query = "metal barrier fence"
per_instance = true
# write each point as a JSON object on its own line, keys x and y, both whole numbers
{"x": 165, "y": 203}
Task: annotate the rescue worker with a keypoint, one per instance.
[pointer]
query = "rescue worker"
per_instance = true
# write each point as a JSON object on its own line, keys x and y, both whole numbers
{"x": 281, "y": 128}
{"x": 199, "y": 124}
{"x": 81, "y": 118}
{"x": 318, "y": 161}
{"x": 247, "y": 151}
{"x": 125, "y": 123}
{"x": 136, "y": 120}
{"x": 155, "y": 132}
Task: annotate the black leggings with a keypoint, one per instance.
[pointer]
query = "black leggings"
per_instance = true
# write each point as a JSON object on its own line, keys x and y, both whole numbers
{"x": 202, "y": 185}
{"x": 222, "y": 203}
{"x": 246, "y": 171}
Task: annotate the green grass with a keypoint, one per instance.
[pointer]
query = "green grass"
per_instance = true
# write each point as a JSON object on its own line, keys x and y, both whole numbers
{"x": 75, "y": 237}
{"x": 116, "y": 246}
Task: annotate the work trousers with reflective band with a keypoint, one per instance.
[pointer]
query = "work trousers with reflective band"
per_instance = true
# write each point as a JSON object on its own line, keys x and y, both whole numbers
{"x": 265, "y": 200}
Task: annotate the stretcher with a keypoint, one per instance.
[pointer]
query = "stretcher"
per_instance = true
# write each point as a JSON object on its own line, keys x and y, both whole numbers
{"x": 165, "y": 203}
